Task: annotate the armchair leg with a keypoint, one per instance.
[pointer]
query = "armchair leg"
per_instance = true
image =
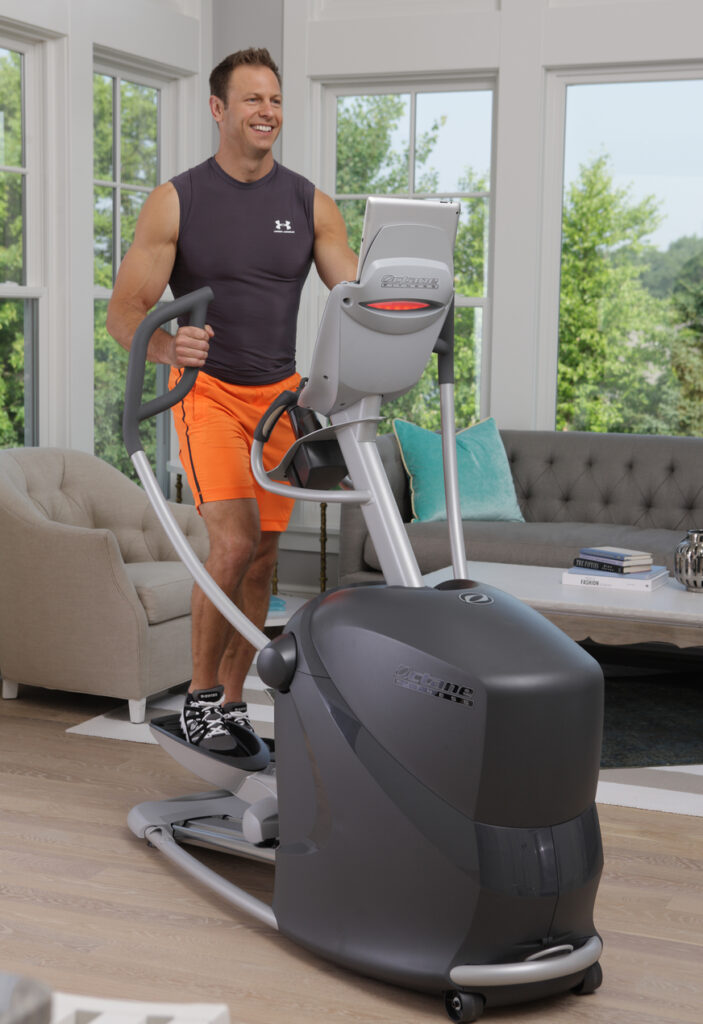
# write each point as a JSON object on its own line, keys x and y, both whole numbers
{"x": 9, "y": 690}
{"x": 137, "y": 711}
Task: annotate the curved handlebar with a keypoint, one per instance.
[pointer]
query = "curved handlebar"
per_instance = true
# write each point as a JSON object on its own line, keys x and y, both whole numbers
{"x": 134, "y": 411}
{"x": 286, "y": 400}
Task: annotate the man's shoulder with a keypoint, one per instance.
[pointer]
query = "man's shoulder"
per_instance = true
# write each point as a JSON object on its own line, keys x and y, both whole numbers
{"x": 293, "y": 176}
{"x": 186, "y": 177}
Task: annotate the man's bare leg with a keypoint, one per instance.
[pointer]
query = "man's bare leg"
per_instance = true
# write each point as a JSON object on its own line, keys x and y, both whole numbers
{"x": 253, "y": 599}
{"x": 233, "y": 529}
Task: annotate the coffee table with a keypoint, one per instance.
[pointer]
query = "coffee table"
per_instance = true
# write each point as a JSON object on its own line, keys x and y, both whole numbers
{"x": 670, "y": 614}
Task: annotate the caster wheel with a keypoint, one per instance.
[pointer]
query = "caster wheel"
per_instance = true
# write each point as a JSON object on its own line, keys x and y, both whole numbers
{"x": 463, "y": 1007}
{"x": 592, "y": 980}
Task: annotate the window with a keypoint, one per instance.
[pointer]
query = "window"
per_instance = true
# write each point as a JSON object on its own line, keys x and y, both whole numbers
{"x": 631, "y": 291}
{"x": 426, "y": 143}
{"x": 18, "y": 258}
{"x": 126, "y": 167}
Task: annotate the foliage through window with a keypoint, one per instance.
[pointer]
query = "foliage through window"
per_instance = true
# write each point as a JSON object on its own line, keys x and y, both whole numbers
{"x": 126, "y": 169}
{"x": 426, "y": 144}
{"x": 631, "y": 293}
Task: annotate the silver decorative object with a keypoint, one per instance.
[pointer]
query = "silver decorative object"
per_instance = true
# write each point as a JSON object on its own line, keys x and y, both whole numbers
{"x": 688, "y": 561}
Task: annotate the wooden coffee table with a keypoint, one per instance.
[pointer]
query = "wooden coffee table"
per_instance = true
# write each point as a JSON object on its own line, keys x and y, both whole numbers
{"x": 670, "y": 614}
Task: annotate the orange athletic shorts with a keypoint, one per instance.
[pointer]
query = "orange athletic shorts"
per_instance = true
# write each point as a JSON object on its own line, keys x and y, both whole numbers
{"x": 215, "y": 423}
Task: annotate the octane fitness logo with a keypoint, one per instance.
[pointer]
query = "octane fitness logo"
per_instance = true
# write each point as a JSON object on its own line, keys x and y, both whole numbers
{"x": 423, "y": 682}
{"x": 394, "y": 281}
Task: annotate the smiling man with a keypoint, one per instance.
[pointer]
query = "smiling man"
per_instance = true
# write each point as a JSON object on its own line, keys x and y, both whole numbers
{"x": 250, "y": 228}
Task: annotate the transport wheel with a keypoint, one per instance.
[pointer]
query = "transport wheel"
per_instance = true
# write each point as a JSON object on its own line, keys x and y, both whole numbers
{"x": 591, "y": 980}
{"x": 463, "y": 1006}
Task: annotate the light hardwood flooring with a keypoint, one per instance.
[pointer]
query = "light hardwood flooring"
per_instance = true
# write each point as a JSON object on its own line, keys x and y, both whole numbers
{"x": 88, "y": 909}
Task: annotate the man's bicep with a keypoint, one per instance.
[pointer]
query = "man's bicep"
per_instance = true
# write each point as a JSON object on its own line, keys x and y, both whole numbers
{"x": 334, "y": 259}
{"x": 147, "y": 265}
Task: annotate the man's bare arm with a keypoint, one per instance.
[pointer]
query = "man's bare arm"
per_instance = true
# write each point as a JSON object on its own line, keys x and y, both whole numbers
{"x": 334, "y": 259}
{"x": 142, "y": 278}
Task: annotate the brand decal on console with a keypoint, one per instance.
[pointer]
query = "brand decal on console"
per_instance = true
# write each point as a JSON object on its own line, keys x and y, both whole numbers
{"x": 396, "y": 281}
{"x": 475, "y": 598}
{"x": 423, "y": 682}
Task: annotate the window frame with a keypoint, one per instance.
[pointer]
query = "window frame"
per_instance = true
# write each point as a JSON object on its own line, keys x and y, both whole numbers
{"x": 557, "y": 83}
{"x": 333, "y": 89}
{"x": 140, "y": 74}
{"x": 33, "y": 291}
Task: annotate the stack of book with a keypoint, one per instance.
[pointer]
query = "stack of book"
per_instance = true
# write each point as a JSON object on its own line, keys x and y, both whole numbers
{"x": 622, "y": 568}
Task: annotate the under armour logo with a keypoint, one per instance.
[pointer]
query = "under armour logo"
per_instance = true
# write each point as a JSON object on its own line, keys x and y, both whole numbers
{"x": 283, "y": 227}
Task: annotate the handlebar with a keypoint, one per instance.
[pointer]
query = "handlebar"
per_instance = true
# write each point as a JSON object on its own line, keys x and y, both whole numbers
{"x": 135, "y": 411}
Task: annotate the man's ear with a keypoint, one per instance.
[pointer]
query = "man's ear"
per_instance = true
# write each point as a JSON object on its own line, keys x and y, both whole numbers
{"x": 216, "y": 107}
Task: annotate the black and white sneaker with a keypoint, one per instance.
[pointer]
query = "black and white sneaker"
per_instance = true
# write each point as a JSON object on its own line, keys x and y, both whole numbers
{"x": 235, "y": 714}
{"x": 203, "y": 723}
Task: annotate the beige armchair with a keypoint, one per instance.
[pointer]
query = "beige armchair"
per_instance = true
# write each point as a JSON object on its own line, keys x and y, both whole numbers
{"x": 93, "y": 597}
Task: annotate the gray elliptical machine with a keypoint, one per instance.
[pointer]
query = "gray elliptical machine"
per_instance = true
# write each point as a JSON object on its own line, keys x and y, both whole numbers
{"x": 431, "y": 811}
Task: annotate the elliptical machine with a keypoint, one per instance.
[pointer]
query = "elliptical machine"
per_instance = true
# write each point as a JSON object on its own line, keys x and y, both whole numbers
{"x": 431, "y": 810}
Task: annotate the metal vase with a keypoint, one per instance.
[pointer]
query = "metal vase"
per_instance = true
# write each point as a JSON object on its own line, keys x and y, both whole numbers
{"x": 688, "y": 561}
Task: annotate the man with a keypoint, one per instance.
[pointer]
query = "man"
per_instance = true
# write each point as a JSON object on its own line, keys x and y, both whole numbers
{"x": 249, "y": 228}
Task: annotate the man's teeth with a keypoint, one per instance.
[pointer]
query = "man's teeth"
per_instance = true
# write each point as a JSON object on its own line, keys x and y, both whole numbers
{"x": 262, "y": 127}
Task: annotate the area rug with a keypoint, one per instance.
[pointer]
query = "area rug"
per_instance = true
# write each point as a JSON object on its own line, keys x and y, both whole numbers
{"x": 114, "y": 724}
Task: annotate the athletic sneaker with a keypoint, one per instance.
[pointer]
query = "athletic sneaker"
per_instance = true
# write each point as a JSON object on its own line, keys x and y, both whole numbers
{"x": 203, "y": 722}
{"x": 235, "y": 713}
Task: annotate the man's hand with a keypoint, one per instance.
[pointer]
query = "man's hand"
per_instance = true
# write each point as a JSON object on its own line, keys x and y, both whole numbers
{"x": 190, "y": 346}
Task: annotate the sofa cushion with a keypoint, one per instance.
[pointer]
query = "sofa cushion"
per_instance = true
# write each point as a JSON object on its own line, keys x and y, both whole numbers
{"x": 164, "y": 588}
{"x": 486, "y": 488}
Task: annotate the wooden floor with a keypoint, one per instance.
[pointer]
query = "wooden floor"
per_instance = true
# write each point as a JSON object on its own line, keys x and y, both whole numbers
{"x": 88, "y": 909}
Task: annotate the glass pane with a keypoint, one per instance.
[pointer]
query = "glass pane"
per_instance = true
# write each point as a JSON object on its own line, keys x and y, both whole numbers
{"x": 103, "y": 127}
{"x": 103, "y": 230}
{"x": 139, "y": 134}
{"x": 11, "y": 134}
{"x": 353, "y": 212}
{"x": 12, "y": 415}
{"x": 631, "y": 302}
{"x": 471, "y": 251}
{"x": 130, "y": 205}
{"x": 373, "y": 144}
{"x": 11, "y": 228}
{"x": 421, "y": 404}
{"x": 453, "y": 141}
{"x": 109, "y": 383}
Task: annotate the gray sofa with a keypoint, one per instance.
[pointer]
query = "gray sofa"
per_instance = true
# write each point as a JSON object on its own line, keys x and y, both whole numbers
{"x": 574, "y": 489}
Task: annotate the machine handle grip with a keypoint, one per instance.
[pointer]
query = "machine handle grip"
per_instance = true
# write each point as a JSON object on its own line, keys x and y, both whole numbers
{"x": 444, "y": 347}
{"x": 286, "y": 400}
{"x": 134, "y": 410}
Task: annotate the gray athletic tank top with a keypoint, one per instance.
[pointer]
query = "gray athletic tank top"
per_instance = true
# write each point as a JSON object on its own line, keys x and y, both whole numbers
{"x": 252, "y": 243}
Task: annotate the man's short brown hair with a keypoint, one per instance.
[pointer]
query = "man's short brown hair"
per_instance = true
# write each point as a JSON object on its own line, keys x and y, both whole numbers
{"x": 253, "y": 57}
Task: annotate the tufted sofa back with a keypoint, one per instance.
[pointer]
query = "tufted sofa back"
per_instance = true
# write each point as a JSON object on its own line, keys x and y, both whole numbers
{"x": 639, "y": 480}
{"x": 77, "y": 489}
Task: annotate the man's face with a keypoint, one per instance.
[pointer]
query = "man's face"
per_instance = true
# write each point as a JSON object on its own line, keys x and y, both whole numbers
{"x": 251, "y": 120}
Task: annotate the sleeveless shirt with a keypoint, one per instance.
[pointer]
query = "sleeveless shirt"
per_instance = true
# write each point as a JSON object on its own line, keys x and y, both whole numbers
{"x": 252, "y": 243}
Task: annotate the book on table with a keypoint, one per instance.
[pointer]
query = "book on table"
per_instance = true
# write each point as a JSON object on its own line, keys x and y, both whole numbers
{"x": 606, "y": 565}
{"x": 651, "y": 579}
{"x": 625, "y": 556}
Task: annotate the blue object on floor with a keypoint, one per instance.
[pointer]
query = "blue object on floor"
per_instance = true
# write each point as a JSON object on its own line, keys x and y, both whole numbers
{"x": 277, "y": 604}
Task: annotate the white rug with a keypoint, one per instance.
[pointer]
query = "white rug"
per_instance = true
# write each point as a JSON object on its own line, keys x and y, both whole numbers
{"x": 676, "y": 789}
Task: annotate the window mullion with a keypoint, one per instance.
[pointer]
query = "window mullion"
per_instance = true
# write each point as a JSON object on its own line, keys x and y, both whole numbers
{"x": 117, "y": 171}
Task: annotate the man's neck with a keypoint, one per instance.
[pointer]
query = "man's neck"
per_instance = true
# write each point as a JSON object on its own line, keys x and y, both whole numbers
{"x": 242, "y": 168}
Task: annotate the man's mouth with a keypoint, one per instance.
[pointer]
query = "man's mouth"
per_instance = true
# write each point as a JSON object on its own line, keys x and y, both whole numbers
{"x": 263, "y": 128}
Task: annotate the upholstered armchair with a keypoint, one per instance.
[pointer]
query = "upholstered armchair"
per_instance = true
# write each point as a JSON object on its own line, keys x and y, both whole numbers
{"x": 93, "y": 597}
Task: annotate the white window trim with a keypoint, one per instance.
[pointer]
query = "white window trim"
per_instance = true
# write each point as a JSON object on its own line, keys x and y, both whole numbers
{"x": 558, "y": 81}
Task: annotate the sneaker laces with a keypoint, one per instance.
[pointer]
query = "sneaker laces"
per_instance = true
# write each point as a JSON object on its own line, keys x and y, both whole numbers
{"x": 202, "y": 717}
{"x": 236, "y": 713}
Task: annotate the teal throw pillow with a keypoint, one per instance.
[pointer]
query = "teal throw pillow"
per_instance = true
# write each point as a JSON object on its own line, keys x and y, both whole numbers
{"x": 486, "y": 486}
